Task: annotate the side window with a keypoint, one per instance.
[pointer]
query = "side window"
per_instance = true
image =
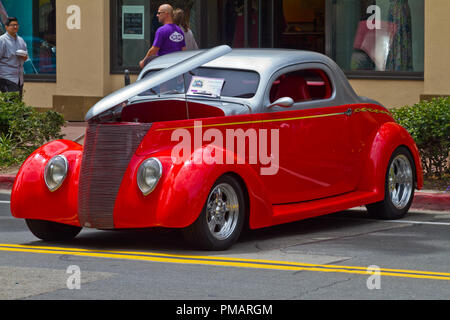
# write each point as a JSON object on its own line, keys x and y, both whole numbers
{"x": 302, "y": 85}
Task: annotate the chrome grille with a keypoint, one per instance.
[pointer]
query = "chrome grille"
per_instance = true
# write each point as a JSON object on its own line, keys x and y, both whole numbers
{"x": 108, "y": 149}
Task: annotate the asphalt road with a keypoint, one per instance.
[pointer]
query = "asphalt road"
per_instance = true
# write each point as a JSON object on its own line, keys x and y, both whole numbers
{"x": 322, "y": 258}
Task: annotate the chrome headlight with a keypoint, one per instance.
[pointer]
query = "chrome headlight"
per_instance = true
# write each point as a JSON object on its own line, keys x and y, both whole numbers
{"x": 148, "y": 175}
{"x": 55, "y": 172}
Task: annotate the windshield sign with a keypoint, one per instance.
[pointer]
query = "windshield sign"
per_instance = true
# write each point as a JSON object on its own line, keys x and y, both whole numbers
{"x": 206, "y": 86}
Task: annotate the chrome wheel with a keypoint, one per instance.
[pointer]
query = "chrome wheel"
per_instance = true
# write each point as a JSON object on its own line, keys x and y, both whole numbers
{"x": 400, "y": 181}
{"x": 222, "y": 218}
{"x": 222, "y": 211}
{"x": 398, "y": 187}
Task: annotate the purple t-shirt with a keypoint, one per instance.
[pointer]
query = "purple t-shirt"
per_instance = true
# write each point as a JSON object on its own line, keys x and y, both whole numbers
{"x": 169, "y": 38}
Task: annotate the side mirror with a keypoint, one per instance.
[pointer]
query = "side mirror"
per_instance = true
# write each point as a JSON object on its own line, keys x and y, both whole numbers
{"x": 285, "y": 102}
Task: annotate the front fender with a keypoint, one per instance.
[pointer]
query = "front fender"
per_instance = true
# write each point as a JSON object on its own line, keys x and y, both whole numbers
{"x": 182, "y": 192}
{"x": 389, "y": 137}
{"x": 30, "y": 197}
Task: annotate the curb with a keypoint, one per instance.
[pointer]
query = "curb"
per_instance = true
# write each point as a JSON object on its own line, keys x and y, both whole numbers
{"x": 422, "y": 200}
{"x": 431, "y": 201}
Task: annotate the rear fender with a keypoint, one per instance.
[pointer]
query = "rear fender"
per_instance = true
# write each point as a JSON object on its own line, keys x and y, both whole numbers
{"x": 388, "y": 138}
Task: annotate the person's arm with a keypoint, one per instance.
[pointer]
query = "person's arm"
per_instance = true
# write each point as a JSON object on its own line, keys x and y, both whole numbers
{"x": 152, "y": 52}
{"x": 24, "y": 48}
{"x": 2, "y": 48}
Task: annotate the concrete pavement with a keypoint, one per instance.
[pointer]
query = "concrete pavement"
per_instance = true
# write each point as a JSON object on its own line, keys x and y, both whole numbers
{"x": 75, "y": 131}
{"x": 424, "y": 199}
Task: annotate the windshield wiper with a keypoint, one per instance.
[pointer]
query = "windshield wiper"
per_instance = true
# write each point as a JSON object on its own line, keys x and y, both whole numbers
{"x": 172, "y": 91}
{"x": 245, "y": 95}
{"x": 204, "y": 93}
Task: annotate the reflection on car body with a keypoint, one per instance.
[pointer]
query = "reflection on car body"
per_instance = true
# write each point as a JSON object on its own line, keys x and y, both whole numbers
{"x": 328, "y": 150}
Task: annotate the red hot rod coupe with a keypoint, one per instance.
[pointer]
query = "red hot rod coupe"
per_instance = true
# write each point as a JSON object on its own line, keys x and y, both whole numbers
{"x": 210, "y": 140}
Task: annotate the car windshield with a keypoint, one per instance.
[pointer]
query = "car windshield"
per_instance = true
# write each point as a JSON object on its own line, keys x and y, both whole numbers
{"x": 233, "y": 83}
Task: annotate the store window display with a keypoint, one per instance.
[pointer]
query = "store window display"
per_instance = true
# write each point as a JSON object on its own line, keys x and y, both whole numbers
{"x": 38, "y": 29}
{"x": 379, "y": 35}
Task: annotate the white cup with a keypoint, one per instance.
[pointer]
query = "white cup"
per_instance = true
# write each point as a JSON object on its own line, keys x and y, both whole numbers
{"x": 21, "y": 53}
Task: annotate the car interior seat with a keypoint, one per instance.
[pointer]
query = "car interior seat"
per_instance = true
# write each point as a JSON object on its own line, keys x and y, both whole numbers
{"x": 292, "y": 86}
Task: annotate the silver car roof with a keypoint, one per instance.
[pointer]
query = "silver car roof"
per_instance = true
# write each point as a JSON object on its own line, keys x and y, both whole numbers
{"x": 267, "y": 62}
{"x": 263, "y": 61}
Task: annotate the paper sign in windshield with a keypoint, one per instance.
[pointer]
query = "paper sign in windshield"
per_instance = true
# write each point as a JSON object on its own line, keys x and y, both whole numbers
{"x": 206, "y": 86}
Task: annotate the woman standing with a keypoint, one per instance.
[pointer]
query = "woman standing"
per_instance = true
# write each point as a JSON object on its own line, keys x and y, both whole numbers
{"x": 180, "y": 19}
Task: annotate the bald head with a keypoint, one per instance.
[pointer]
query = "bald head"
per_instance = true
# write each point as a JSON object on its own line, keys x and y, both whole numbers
{"x": 165, "y": 14}
{"x": 167, "y": 7}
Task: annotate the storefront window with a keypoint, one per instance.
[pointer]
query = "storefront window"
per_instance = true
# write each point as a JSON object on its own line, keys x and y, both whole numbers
{"x": 367, "y": 38}
{"x": 133, "y": 27}
{"x": 300, "y": 24}
{"x": 37, "y": 21}
{"x": 240, "y": 23}
{"x": 378, "y": 36}
{"x": 295, "y": 24}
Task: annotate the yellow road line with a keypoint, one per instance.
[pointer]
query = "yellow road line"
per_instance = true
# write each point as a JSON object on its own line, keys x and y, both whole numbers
{"x": 222, "y": 261}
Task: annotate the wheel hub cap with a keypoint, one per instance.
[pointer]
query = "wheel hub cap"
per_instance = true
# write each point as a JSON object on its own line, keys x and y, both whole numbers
{"x": 400, "y": 181}
{"x": 222, "y": 211}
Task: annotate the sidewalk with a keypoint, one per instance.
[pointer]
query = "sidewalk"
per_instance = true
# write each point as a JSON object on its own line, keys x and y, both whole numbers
{"x": 424, "y": 199}
{"x": 75, "y": 131}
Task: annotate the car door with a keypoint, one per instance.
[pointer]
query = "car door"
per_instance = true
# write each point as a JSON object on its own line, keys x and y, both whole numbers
{"x": 316, "y": 158}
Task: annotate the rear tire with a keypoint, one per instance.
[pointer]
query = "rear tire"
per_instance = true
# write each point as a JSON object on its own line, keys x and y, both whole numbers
{"x": 52, "y": 231}
{"x": 222, "y": 218}
{"x": 399, "y": 187}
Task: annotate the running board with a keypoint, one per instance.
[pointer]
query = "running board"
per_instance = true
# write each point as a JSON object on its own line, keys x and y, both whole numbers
{"x": 297, "y": 211}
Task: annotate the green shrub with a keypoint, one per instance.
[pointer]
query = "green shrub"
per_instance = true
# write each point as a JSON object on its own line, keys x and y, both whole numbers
{"x": 23, "y": 129}
{"x": 428, "y": 122}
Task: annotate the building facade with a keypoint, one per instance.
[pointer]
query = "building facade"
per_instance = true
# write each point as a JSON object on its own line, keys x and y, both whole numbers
{"x": 394, "y": 51}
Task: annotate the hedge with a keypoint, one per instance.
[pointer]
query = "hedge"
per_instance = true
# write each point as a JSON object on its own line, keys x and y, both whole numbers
{"x": 428, "y": 122}
{"x": 23, "y": 129}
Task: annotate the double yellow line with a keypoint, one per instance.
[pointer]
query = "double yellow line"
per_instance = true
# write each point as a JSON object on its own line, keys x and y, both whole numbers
{"x": 222, "y": 261}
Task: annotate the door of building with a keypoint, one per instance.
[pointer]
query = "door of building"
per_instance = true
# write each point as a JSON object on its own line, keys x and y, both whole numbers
{"x": 295, "y": 24}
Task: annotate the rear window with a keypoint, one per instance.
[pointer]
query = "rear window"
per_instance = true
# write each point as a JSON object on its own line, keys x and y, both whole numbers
{"x": 238, "y": 83}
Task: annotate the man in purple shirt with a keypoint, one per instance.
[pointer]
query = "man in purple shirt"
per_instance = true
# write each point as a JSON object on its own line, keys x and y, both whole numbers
{"x": 169, "y": 38}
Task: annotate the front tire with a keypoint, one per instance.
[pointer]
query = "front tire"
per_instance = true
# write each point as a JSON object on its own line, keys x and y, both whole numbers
{"x": 399, "y": 187}
{"x": 220, "y": 223}
{"x": 52, "y": 231}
